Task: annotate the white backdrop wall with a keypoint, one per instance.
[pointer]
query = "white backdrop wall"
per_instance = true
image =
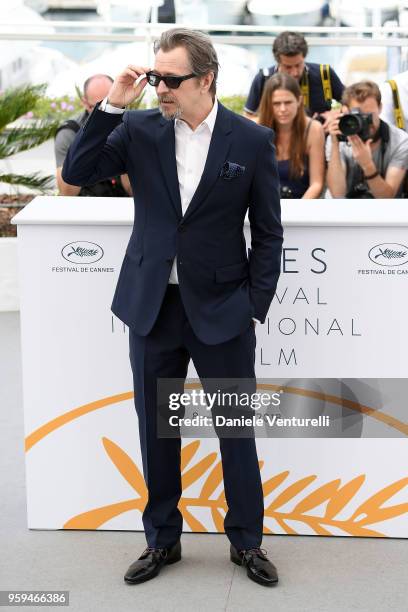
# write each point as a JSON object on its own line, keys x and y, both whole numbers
{"x": 336, "y": 337}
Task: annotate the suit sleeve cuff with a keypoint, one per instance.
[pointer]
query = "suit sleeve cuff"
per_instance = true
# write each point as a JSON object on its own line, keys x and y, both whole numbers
{"x": 108, "y": 108}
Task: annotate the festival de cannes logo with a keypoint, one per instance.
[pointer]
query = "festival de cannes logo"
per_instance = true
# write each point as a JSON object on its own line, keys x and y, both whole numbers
{"x": 389, "y": 254}
{"x": 82, "y": 252}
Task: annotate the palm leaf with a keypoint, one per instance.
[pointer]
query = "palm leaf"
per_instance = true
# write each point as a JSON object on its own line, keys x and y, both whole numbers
{"x": 318, "y": 496}
{"x": 372, "y": 511}
{"x": 187, "y": 453}
{"x": 289, "y": 493}
{"x": 384, "y": 514}
{"x": 314, "y": 523}
{"x": 343, "y": 496}
{"x": 20, "y": 139}
{"x": 355, "y": 530}
{"x": 126, "y": 466}
{"x": 213, "y": 481}
{"x": 79, "y": 92}
{"x": 218, "y": 520}
{"x": 34, "y": 181}
{"x": 13, "y": 104}
{"x": 18, "y": 101}
{"x": 192, "y": 522}
{"x": 273, "y": 483}
{"x": 93, "y": 519}
{"x": 195, "y": 473}
{"x": 285, "y": 527}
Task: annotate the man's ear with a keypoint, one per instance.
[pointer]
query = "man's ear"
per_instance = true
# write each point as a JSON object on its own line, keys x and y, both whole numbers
{"x": 207, "y": 80}
{"x": 85, "y": 103}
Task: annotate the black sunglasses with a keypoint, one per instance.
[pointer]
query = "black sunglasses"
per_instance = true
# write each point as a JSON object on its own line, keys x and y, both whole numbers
{"x": 172, "y": 82}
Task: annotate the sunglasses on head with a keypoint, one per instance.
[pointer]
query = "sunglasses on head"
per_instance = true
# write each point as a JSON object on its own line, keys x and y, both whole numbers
{"x": 172, "y": 82}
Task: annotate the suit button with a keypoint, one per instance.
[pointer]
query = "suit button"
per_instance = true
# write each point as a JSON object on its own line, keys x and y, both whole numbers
{"x": 182, "y": 228}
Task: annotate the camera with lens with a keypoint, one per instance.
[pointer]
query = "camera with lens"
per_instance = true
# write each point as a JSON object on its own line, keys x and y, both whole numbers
{"x": 355, "y": 122}
{"x": 360, "y": 191}
{"x": 286, "y": 193}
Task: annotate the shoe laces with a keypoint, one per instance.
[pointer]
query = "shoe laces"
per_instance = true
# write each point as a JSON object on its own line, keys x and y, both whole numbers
{"x": 253, "y": 551}
{"x": 162, "y": 551}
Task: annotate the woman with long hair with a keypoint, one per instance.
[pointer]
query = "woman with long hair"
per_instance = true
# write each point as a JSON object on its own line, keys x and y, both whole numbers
{"x": 299, "y": 140}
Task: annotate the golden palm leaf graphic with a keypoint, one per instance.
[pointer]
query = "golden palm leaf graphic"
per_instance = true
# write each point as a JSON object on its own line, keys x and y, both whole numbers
{"x": 333, "y": 496}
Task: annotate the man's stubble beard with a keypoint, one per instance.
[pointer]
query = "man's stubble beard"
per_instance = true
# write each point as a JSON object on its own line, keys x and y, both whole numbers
{"x": 176, "y": 114}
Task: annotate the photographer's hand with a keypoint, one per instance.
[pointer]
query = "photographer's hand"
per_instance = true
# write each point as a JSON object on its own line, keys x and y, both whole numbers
{"x": 380, "y": 187}
{"x": 362, "y": 154}
{"x": 329, "y": 117}
{"x": 333, "y": 127}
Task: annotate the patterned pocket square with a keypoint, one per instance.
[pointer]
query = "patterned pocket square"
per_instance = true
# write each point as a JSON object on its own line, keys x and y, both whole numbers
{"x": 230, "y": 170}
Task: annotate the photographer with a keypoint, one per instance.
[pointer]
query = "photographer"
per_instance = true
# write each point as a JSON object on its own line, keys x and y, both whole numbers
{"x": 367, "y": 158}
{"x": 319, "y": 83}
{"x": 96, "y": 88}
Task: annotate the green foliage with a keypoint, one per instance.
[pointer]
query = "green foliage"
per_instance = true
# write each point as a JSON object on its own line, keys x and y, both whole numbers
{"x": 16, "y": 103}
{"x": 64, "y": 107}
{"x": 34, "y": 181}
{"x": 138, "y": 103}
{"x": 18, "y": 139}
{"x": 234, "y": 103}
{"x": 59, "y": 109}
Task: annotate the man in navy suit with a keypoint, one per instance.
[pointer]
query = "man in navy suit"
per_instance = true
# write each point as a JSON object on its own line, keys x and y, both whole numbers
{"x": 187, "y": 288}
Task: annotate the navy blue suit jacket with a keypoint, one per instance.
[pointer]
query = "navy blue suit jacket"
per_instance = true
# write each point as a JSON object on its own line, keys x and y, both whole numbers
{"x": 221, "y": 287}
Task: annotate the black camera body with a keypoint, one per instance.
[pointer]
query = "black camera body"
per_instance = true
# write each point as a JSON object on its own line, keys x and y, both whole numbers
{"x": 355, "y": 122}
{"x": 286, "y": 193}
{"x": 360, "y": 192}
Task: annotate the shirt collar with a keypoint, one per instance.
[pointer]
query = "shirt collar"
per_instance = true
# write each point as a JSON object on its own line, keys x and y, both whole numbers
{"x": 209, "y": 121}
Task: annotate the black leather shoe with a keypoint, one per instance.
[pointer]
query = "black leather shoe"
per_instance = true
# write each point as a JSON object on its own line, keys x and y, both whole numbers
{"x": 149, "y": 564}
{"x": 259, "y": 568}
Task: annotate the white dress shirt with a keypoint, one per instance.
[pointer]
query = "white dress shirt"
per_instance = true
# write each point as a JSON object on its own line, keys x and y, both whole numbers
{"x": 191, "y": 155}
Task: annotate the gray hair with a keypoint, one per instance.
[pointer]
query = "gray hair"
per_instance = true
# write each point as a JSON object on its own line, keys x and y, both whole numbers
{"x": 200, "y": 50}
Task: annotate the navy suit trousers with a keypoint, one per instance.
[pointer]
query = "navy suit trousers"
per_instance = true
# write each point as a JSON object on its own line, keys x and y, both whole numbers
{"x": 165, "y": 353}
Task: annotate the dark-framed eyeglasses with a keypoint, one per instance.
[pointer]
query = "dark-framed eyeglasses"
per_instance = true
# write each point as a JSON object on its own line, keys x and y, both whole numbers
{"x": 172, "y": 82}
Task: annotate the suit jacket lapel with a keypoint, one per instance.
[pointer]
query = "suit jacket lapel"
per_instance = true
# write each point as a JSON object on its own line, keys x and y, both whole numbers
{"x": 167, "y": 154}
{"x": 217, "y": 153}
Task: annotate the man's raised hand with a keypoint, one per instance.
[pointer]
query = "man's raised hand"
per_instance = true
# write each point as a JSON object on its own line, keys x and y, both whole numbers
{"x": 124, "y": 89}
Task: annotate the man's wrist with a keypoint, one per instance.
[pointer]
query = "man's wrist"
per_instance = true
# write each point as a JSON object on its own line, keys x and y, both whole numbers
{"x": 372, "y": 176}
{"x": 108, "y": 107}
{"x": 369, "y": 169}
{"x": 110, "y": 103}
